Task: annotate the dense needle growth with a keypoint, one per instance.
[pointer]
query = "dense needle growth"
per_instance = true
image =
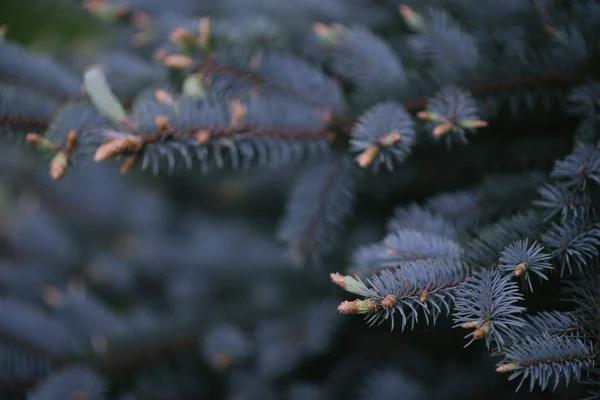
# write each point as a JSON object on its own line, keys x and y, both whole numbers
{"x": 467, "y": 130}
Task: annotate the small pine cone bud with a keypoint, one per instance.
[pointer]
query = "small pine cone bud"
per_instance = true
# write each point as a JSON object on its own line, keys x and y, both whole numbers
{"x": 58, "y": 165}
{"x": 326, "y": 116}
{"x": 118, "y": 146}
{"x": 338, "y": 279}
{"x": 470, "y": 325}
{"x": 180, "y": 36}
{"x": 390, "y": 139}
{"x": 411, "y": 18}
{"x": 163, "y": 97}
{"x": 473, "y": 124}
{"x": 423, "y": 296}
{"x": 443, "y": 129}
{"x": 129, "y": 164}
{"x": 367, "y": 157}
{"x": 424, "y": 115}
{"x": 389, "y": 302}
{"x": 238, "y": 113}
{"x": 358, "y": 307}
{"x": 109, "y": 150}
{"x": 521, "y": 269}
{"x": 430, "y": 116}
{"x": 321, "y": 29}
{"x": 391, "y": 252}
{"x": 203, "y": 136}
{"x": 348, "y": 307}
{"x": 482, "y": 331}
{"x": 178, "y": 61}
{"x": 71, "y": 141}
{"x": 508, "y": 367}
{"x": 162, "y": 123}
{"x": 350, "y": 284}
{"x": 34, "y": 139}
{"x": 40, "y": 142}
{"x": 328, "y": 34}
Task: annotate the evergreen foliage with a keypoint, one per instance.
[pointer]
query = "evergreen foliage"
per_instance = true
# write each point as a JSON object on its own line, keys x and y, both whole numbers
{"x": 466, "y": 134}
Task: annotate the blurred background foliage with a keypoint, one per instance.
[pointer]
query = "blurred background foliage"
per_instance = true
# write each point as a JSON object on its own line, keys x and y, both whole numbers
{"x": 190, "y": 253}
{"x": 47, "y": 25}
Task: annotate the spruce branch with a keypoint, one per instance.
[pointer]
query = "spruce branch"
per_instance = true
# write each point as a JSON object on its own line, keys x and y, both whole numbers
{"x": 524, "y": 260}
{"x": 546, "y": 361}
{"x": 550, "y": 79}
{"x": 486, "y": 302}
{"x": 319, "y": 204}
{"x": 413, "y": 289}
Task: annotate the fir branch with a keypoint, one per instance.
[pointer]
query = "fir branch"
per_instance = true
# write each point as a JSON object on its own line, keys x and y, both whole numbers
{"x": 421, "y": 219}
{"x": 413, "y": 286}
{"x": 584, "y": 100}
{"x": 486, "y": 201}
{"x": 573, "y": 243}
{"x": 486, "y": 302}
{"x": 284, "y": 75}
{"x": 557, "y": 323}
{"x": 485, "y": 248}
{"x": 384, "y": 135}
{"x": 318, "y": 206}
{"x": 440, "y": 39}
{"x": 546, "y": 361}
{"x": 561, "y": 200}
{"x": 451, "y": 114}
{"x": 524, "y": 260}
{"x": 363, "y": 59}
{"x": 579, "y": 167}
{"x": 72, "y": 137}
{"x": 405, "y": 245}
{"x": 185, "y": 127}
{"x": 551, "y": 79}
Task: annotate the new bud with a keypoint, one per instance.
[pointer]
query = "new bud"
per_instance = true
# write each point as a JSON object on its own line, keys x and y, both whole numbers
{"x": 411, "y": 18}
{"x": 178, "y": 61}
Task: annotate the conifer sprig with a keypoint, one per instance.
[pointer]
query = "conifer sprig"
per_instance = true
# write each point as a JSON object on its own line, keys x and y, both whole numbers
{"x": 487, "y": 303}
{"x": 524, "y": 261}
